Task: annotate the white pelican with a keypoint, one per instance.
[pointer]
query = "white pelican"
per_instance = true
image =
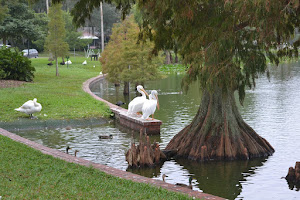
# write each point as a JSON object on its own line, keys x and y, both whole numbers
{"x": 30, "y": 107}
{"x": 137, "y": 103}
{"x": 84, "y": 62}
{"x": 150, "y": 105}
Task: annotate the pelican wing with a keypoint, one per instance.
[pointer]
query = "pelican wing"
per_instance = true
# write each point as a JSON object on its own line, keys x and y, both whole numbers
{"x": 149, "y": 108}
{"x": 136, "y": 104}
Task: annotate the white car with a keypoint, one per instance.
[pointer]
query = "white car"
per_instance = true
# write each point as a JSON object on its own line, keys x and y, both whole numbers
{"x": 33, "y": 53}
{"x": 2, "y": 45}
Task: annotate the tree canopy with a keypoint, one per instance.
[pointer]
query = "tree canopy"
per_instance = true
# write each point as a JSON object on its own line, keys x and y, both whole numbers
{"x": 126, "y": 60}
{"x": 248, "y": 35}
{"x": 18, "y": 24}
{"x": 226, "y": 43}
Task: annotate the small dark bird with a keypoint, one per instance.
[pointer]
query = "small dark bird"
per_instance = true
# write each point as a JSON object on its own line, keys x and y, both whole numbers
{"x": 67, "y": 149}
{"x": 163, "y": 177}
{"x": 187, "y": 186}
{"x": 105, "y": 136}
{"x": 75, "y": 154}
{"x": 50, "y": 63}
{"x": 62, "y": 63}
{"x": 119, "y": 103}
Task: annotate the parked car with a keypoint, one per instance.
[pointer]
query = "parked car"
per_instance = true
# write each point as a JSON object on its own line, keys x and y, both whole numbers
{"x": 7, "y": 45}
{"x": 33, "y": 53}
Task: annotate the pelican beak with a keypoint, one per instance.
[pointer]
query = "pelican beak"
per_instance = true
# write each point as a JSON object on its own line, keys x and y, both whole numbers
{"x": 145, "y": 92}
{"x": 157, "y": 102}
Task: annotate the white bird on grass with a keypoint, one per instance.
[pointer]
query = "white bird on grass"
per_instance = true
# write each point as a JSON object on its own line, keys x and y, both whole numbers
{"x": 30, "y": 107}
{"x": 84, "y": 62}
{"x": 68, "y": 62}
{"x": 150, "y": 105}
{"x": 137, "y": 103}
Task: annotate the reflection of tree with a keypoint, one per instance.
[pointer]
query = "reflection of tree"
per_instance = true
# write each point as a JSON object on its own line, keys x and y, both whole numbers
{"x": 221, "y": 178}
{"x": 149, "y": 172}
{"x": 135, "y": 135}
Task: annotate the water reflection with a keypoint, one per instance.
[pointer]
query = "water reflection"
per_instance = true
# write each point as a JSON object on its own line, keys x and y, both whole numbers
{"x": 272, "y": 109}
{"x": 221, "y": 177}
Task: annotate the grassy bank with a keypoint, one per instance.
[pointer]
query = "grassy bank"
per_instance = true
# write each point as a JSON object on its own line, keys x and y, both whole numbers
{"x": 26, "y": 173}
{"x": 61, "y": 97}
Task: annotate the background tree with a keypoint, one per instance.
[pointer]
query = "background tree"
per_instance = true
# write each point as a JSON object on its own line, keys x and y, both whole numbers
{"x": 3, "y": 10}
{"x": 18, "y": 26}
{"x": 72, "y": 35}
{"x": 110, "y": 16}
{"x": 111, "y": 59}
{"x": 41, "y": 21}
{"x": 55, "y": 41}
{"x": 226, "y": 44}
{"x": 127, "y": 61}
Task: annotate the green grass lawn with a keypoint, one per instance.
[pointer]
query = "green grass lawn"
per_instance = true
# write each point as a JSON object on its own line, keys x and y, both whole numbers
{"x": 61, "y": 97}
{"x": 26, "y": 173}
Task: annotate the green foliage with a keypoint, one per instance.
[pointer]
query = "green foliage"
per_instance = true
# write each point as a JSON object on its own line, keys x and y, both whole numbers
{"x": 18, "y": 24}
{"x": 55, "y": 41}
{"x": 41, "y": 21}
{"x": 110, "y": 16}
{"x": 126, "y": 60}
{"x": 3, "y": 12}
{"x": 72, "y": 36}
{"x": 14, "y": 66}
{"x": 226, "y": 43}
{"x": 169, "y": 69}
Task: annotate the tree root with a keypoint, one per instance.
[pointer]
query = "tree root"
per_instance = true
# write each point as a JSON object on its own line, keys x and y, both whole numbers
{"x": 144, "y": 154}
{"x": 293, "y": 176}
{"x": 218, "y": 132}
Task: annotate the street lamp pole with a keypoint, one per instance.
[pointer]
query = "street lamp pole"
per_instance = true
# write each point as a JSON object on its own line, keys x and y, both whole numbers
{"x": 102, "y": 33}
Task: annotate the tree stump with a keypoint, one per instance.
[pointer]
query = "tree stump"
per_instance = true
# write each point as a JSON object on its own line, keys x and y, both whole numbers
{"x": 293, "y": 176}
{"x": 144, "y": 154}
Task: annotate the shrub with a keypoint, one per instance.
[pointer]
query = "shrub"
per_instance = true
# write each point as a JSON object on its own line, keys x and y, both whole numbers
{"x": 14, "y": 66}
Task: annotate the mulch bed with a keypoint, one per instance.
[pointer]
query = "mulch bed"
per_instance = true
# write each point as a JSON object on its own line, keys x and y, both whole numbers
{"x": 10, "y": 83}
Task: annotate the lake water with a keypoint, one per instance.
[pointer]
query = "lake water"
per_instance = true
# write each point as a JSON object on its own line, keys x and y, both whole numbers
{"x": 272, "y": 110}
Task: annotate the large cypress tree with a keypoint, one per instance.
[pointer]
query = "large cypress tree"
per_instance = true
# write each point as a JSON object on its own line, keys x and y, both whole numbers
{"x": 226, "y": 45}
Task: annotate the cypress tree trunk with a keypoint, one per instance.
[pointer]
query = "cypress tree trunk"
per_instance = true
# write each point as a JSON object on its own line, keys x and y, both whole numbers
{"x": 126, "y": 88}
{"x": 218, "y": 132}
{"x": 56, "y": 61}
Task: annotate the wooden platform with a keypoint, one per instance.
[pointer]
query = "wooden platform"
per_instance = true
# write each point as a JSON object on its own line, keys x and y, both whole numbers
{"x": 132, "y": 121}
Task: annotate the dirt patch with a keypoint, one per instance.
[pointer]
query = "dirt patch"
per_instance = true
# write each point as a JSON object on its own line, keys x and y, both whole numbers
{"x": 10, "y": 83}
